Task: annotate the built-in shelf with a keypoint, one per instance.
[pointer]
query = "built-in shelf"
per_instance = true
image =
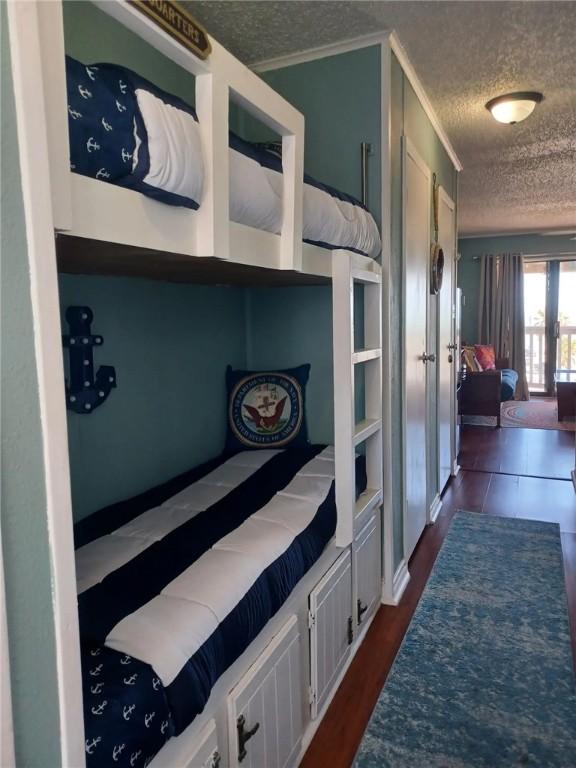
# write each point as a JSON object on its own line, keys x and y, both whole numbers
{"x": 365, "y": 429}
{"x": 363, "y": 355}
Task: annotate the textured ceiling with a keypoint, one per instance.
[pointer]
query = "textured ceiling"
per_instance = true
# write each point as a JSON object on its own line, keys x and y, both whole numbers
{"x": 516, "y": 178}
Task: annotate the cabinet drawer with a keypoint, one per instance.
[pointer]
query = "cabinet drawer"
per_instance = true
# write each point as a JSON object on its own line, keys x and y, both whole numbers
{"x": 265, "y": 707}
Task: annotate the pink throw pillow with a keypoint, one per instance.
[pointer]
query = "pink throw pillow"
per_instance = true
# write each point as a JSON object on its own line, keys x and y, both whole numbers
{"x": 486, "y": 356}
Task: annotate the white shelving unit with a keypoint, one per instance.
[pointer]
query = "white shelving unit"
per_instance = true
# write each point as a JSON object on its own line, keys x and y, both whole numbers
{"x": 350, "y": 434}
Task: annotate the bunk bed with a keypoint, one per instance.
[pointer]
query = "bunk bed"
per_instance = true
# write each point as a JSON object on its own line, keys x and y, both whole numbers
{"x": 173, "y": 596}
{"x": 124, "y": 130}
{"x": 291, "y": 536}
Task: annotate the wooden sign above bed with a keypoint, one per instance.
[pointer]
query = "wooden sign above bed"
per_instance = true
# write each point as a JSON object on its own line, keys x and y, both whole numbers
{"x": 178, "y": 23}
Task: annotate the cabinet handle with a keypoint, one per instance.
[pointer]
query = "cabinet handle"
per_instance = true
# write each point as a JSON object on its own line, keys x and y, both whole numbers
{"x": 428, "y": 358}
{"x": 350, "y": 630}
{"x": 216, "y": 759}
{"x": 361, "y": 610}
{"x": 452, "y": 346}
{"x": 244, "y": 736}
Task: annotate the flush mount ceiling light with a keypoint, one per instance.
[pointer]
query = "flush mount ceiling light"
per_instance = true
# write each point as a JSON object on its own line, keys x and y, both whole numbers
{"x": 514, "y": 107}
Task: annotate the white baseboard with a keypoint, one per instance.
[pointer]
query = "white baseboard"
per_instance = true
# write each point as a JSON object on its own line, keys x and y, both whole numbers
{"x": 573, "y": 473}
{"x": 435, "y": 508}
{"x": 455, "y": 469}
{"x": 399, "y": 584}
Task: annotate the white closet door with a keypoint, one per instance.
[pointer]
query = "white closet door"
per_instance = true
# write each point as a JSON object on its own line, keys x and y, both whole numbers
{"x": 416, "y": 228}
{"x": 331, "y": 629}
{"x": 446, "y": 354}
{"x": 367, "y": 570}
{"x": 265, "y": 707}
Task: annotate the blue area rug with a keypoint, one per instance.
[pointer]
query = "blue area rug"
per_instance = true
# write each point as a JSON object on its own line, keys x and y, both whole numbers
{"x": 484, "y": 677}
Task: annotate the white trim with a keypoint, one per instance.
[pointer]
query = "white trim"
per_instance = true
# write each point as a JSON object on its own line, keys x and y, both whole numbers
{"x": 36, "y": 192}
{"x": 408, "y": 148}
{"x": 573, "y": 475}
{"x": 385, "y": 154}
{"x": 560, "y": 256}
{"x": 451, "y": 205}
{"x": 414, "y": 80}
{"x": 435, "y": 508}
{"x": 321, "y": 52}
{"x": 519, "y": 233}
{"x": 399, "y": 583}
{"x": 455, "y": 469}
{"x": 365, "y": 41}
{"x": 7, "y": 758}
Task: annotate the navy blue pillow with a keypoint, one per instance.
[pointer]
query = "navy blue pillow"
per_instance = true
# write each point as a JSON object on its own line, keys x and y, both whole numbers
{"x": 266, "y": 409}
{"x": 103, "y": 114}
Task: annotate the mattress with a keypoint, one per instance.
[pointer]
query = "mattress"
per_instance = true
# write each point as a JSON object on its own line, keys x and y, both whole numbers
{"x": 175, "y": 584}
{"x": 123, "y": 130}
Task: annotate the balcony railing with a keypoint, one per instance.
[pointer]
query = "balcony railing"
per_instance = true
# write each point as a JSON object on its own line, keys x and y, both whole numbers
{"x": 535, "y": 356}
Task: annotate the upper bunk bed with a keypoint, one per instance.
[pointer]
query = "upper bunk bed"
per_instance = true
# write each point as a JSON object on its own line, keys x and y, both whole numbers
{"x": 245, "y": 210}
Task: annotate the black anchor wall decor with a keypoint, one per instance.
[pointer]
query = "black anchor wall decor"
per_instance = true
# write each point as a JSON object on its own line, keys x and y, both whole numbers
{"x": 84, "y": 392}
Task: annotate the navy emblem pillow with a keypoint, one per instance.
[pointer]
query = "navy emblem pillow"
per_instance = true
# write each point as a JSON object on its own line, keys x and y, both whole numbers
{"x": 266, "y": 409}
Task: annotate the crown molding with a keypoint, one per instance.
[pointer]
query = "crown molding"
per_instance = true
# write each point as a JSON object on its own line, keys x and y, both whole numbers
{"x": 321, "y": 52}
{"x": 414, "y": 80}
{"x": 345, "y": 46}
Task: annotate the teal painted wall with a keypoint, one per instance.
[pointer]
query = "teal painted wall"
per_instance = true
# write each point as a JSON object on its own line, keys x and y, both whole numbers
{"x": 292, "y": 326}
{"x": 26, "y": 556}
{"x": 170, "y": 345}
{"x": 469, "y": 266}
{"x": 92, "y": 36}
{"x": 340, "y": 99}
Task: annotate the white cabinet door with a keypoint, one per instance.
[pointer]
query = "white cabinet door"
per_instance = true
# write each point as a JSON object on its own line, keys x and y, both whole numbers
{"x": 331, "y": 629}
{"x": 265, "y": 707}
{"x": 447, "y": 358}
{"x": 207, "y": 755}
{"x": 366, "y": 552}
{"x": 417, "y": 190}
{"x": 203, "y": 752}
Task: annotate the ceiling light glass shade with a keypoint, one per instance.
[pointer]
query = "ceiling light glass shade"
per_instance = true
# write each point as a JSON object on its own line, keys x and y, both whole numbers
{"x": 514, "y": 107}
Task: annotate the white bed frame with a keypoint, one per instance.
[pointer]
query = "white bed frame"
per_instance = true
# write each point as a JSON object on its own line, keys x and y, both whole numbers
{"x": 121, "y": 231}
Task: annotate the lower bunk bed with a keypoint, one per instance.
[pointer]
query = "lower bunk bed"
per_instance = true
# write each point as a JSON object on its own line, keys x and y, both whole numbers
{"x": 175, "y": 584}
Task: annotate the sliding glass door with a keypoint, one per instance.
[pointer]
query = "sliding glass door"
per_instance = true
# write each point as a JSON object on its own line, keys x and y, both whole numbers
{"x": 550, "y": 321}
{"x": 566, "y": 322}
{"x": 535, "y": 302}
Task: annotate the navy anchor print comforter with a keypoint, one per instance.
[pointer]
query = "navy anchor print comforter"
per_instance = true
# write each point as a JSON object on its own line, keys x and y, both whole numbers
{"x": 126, "y": 715}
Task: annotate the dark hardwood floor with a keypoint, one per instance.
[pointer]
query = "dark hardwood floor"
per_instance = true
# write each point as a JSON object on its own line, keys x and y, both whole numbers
{"x": 515, "y": 451}
{"x": 478, "y": 488}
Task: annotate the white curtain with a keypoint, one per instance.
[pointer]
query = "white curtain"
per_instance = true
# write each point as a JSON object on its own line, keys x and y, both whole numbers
{"x": 501, "y": 312}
